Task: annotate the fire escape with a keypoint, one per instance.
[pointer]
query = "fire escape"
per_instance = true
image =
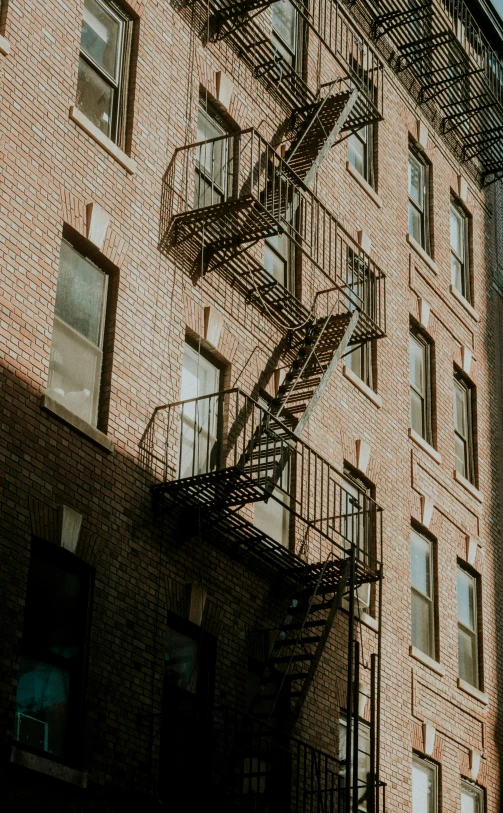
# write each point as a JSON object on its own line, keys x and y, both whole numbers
{"x": 441, "y": 54}
{"x": 217, "y": 457}
{"x": 322, "y": 114}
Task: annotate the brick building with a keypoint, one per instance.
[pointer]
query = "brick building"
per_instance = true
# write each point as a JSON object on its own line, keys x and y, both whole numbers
{"x": 250, "y": 461}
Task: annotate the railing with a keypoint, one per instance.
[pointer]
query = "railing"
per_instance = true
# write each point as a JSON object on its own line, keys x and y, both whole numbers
{"x": 351, "y": 55}
{"x": 259, "y": 768}
{"x": 226, "y": 449}
{"x": 236, "y": 189}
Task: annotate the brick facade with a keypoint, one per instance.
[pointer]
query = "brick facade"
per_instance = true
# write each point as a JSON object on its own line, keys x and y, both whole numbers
{"x": 50, "y": 171}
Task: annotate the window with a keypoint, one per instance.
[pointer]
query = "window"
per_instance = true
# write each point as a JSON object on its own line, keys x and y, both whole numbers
{"x": 472, "y": 798}
{"x": 51, "y": 672}
{"x": 418, "y": 200}
{"x": 357, "y": 506}
{"x": 420, "y": 385}
{"x": 211, "y": 162}
{"x": 459, "y": 252}
{"x": 187, "y": 705}
{"x": 422, "y": 609}
{"x": 78, "y": 332}
{"x": 467, "y": 627}
{"x": 360, "y": 152}
{"x": 359, "y": 361}
{"x": 424, "y": 786}
{"x": 463, "y": 428}
{"x": 199, "y": 419}
{"x": 285, "y": 31}
{"x": 278, "y": 259}
{"x": 102, "y": 84}
{"x": 364, "y": 762}
{"x": 273, "y": 517}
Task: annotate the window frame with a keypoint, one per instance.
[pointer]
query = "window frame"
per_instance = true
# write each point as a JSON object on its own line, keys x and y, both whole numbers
{"x": 277, "y": 38}
{"x": 430, "y": 599}
{"x": 426, "y": 398}
{"x": 365, "y": 350}
{"x": 472, "y": 633}
{"x": 474, "y": 791}
{"x": 416, "y": 157}
{"x": 104, "y": 346}
{"x": 120, "y": 81}
{"x": 464, "y": 262}
{"x": 434, "y": 767}
{"x": 368, "y": 173}
{"x": 65, "y": 560}
{"x": 362, "y": 724}
{"x": 467, "y": 388}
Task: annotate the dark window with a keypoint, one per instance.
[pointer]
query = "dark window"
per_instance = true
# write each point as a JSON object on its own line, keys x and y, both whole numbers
{"x": 105, "y": 47}
{"x": 463, "y": 428}
{"x": 420, "y": 385}
{"x": 422, "y": 608}
{"x": 358, "y": 523}
{"x": 460, "y": 255}
{"x": 212, "y": 161}
{"x": 186, "y": 723}
{"x": 359, "y": 361}
{"x": 51, "y": 674}
{"x": 418, "y": 200}
{"x": 364, "y": 763}
{"x": 285, "y": 25}
{"x": 467, "y": 627}
{"x": 78, "y": 335}
{"x": 361, "y": 153}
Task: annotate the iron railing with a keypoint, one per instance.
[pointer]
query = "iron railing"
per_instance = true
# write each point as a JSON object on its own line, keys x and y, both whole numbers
{"x": 234, "y": 190}
{"x": 259, "y": 768}
{"x": 348, "y": 57}
{"x": 224, "y": 450}
{"x": 454, "y": 69}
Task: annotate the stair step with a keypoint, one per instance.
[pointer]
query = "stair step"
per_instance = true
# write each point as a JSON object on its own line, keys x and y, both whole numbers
{"x": 312, "y": 639}
{"x": 306, "y": 656}
{"x": 297, "y": 676}
{"x": 307, "y": 625}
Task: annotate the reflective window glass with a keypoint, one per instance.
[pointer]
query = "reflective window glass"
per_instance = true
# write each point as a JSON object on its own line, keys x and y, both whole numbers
{"x": 424, "y": 787}
{"x": 100, "y": 37}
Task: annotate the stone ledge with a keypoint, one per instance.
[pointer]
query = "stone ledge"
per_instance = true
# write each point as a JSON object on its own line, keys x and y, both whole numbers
{"x": 469, "y": 486}
{"x": 55, "y": 408}
{"x": 464, "y": 303}
{"x": 364, "y": 184}
{"x": 472, "y": 691}
{"x": 423, "y": 444}
{"x": 4, "y": 46}
{"x": 48, "y": 767}
{"x": 422, "y": 253}
{"x": 432, "y": 664}
{"x": 105, "y": 142}
{"x": 371, "y": 395}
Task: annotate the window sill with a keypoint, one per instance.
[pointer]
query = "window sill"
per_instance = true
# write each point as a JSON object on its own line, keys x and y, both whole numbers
{"x": 422, "y": 253}
{"x": 361, "y": 615}
{"x": 416, "y": 653}
{"x": 464, "y": 303}
{"x": 371, "y": 395}
{"x": 364, "y": 184}
{"x": 107, "y": 144}
{"x": 471, "y": 690}
{"x": 423, "y": 444}
{"x": 48, "y": 767}
{"x": 4, "y": 46}
{"x": 55, "y": 408}
{"x": 469, "y": 487}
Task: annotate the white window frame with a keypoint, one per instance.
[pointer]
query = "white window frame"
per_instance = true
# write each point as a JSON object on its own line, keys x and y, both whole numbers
{"x": 476, "y": 793}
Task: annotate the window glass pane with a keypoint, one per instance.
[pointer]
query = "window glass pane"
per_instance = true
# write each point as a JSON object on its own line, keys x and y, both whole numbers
{"x": 284, "y": 20}
{"x": 460, "y": 409}
{"x": 423, "y": 788}
{"x": 422, "y": 624}
{"x": 420, "y": 564}
{"x": 354, "y": 360}
{"x": 415, "y": 224}
{"x": 100, "y": 36}
{"x": 273, "y": 518}
{"x": 199, "y": 375}
{"x": 211, "y": 160}
{"x": 364, "y": 763}
{"x": 42, "y": 705}
{"x": 357, "y": 153}
{"x": 460, "y": 455}
{"x": 74, "y": 372}
{"x": 457, "y": 275}
{"x": 416, "y": 182}
{"x": 467, "y": 657}
{"x": 80, "y": 294}
{"x": 471, "y": 800}
{"x": 95, "y": 98}
{"x": 182, "y": 661}
{"x": 417, "y": 413}
{"x": 417, "y": 354}
{"x": 457, "y": 233}
{"x": 276, "y": 250}
{"x": 199, "y": 420}
{"x": 466, "y": 599}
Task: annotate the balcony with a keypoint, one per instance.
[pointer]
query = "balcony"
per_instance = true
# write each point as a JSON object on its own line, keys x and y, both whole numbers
{"x": 225, "y": 196}
{"x": 257, "y": 768}
{"x": 349, "y": 93}
{"x": 442, "y": 56}
{"x": 225, "y": 455}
